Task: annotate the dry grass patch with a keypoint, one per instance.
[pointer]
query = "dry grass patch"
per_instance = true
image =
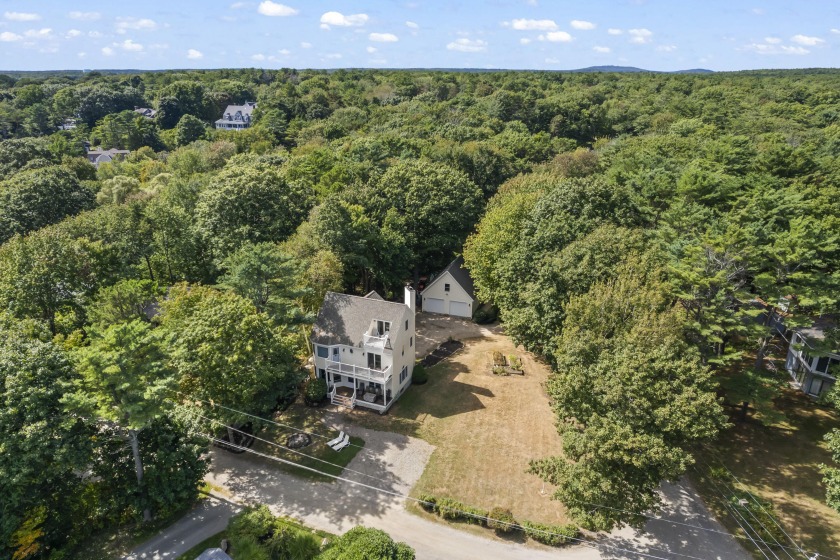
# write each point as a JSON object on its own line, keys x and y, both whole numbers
{"x": 780, "y": 464}
{"x": 486, "y": 429}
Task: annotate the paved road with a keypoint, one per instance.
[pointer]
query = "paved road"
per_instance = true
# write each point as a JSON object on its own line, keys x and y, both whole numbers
{"x": 395, "y": 462}
{"x": 206, "y": 519}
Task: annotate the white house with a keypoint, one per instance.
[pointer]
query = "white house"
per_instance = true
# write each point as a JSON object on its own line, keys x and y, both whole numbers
{"x": 236, "y": 117}
{"x": 814, "y": 374}
{"x": 451, "y": 292}
{"x": 364, "y": 348}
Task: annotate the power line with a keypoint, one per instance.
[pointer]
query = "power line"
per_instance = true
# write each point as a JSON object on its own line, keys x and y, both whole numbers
{"x": 799, "y": 548}
{"x": 423, "y": 502}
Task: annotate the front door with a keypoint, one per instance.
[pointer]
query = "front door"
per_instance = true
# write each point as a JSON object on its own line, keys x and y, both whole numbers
{"x": 374, "y": 361}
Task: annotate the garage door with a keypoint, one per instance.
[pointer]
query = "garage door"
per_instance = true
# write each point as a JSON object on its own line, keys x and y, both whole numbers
{"x": 459, "y": 309}
{"x": 433, "y": 305}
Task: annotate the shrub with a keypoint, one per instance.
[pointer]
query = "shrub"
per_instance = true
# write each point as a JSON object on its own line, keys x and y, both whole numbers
{"x": 501, "y": 520}
{"x": 515, "y": 362}
{"x": 315, "y": 392}
{"x": 419, "y": 375}
{"x": 485, "y": 314}
{"x": 361, "y": 543}
{"x": 498, "y": 358}
{"x": 449, "y": 509}
{"x": 500, "y": 370}
{"x": 552, "y": 535}
{"x": 428, "y": 502}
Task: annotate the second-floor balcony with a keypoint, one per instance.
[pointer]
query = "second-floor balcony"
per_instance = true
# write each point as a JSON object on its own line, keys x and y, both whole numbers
{"x": 359, "y": 372}
{"x": 377, "y": 341}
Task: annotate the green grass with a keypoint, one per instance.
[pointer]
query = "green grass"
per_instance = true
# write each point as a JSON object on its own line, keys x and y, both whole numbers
{"x": 307, "y": 419}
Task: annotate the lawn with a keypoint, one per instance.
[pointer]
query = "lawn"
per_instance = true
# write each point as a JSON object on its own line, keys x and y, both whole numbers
{"x": 316, "y": 455}
{"x": 486, "y": 429}
{"x": 780, "y": 464}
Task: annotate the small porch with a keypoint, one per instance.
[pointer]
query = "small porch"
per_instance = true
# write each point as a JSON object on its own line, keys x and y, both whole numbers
{"x": 367, "y": 395}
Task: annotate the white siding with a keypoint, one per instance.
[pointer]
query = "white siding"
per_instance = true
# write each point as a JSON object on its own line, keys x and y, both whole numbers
{"x": 437, "y": 291}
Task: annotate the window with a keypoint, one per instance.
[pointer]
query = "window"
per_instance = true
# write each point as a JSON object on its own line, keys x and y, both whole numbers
{"x": 411, "y": 341}
{"x": 322, "y": 373}
{"x": 406, "y": 324}
{"x": 322, "y": 351}
{"x": 335, "y": 352}
{"x": 337, "y": 378}
{"x": 403, "y": 374}
{"x": 383, "y": 327}
{"x": 446, "y": 288}
{"x": 374, "y": 361}
{"x": 822, "y": 364}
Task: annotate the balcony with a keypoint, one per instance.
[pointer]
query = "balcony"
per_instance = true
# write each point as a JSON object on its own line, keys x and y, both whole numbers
{"x": 358, "y": 372}
{"x": 379, "y": 342}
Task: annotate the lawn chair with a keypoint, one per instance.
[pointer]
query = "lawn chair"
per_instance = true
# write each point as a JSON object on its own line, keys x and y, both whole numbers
{"x": 341, "y": 444}
{"x": 336, "y": 440}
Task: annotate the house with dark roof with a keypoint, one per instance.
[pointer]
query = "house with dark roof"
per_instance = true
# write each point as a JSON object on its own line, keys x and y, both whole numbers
{"x": 147, "y": 112}
{"x": 812, "y": 361}
{"x": 236, "y": 117}
{"x": 363, "y": 347}
{"x": 451, "y": 292}
{"x": 99, "y": 155}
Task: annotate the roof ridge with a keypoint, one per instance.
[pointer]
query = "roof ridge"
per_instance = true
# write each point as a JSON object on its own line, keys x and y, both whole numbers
{"x": 367, "y": 298}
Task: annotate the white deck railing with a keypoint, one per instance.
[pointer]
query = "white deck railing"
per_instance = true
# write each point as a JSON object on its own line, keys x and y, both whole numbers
{"x": 341, "y": 368}
{"x": 376, "y": 341}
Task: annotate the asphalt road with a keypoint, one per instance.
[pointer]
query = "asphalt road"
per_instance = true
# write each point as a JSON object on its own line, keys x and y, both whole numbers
{"x": 206, "y": 519}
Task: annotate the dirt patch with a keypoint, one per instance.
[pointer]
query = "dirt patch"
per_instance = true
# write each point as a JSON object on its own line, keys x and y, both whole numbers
{"x": 442, "y": 352}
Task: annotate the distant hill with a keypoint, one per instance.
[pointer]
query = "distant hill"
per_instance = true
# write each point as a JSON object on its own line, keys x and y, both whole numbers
{"x": 634, "y": 69}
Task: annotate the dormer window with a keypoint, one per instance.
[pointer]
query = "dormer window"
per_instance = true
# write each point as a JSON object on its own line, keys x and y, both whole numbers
{"x": 383, "y": 327}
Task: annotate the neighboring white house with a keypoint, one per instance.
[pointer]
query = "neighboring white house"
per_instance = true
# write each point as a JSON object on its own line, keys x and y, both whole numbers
{"x": 814, "y": 374}
{"x": 236, "y": 117}
{"x": 451, "y": 292}
{"x": 364, "y": 348}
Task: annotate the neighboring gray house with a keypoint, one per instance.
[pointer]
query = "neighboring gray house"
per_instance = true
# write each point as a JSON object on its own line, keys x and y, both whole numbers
{"x": 98, "y": 156}
{"x": 364, "y": 348}
{"x": 812, "y": 371}
{"x": 451, "y": 292}
{"x": 145, "y": 112}
{"x": 236, "y": 117}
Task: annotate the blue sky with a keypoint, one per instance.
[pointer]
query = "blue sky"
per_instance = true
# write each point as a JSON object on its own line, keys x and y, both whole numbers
{"x": 539, "y": 34}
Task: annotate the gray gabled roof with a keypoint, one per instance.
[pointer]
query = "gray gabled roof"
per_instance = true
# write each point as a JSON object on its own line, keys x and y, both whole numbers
{"x": 344, "y": 319}
{"x": 213, "y": 554}
{"x": 460, "y": 274}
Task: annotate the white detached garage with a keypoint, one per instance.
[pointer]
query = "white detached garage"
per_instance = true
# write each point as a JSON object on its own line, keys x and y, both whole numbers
{"x": 451, "y": 292}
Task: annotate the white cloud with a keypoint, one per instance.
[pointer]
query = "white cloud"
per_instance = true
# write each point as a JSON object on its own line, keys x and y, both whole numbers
{"x": 194, "y": 54}
{"x": 666, "y": 48}
{"x": 768, "y": 49}
{"x": 125, "y": 24}
{"x": 835, "y": 31}
{"x": 614, "y": 31}
{"x": 45, "y": 33}
{"x": 9, "y": 37}
{"x": 371, "y": 50}
{"x": 81, "y": 54}
{"x": 807, "y": 41}
{"x": 269, "y": 8}
{"x": 238, "y": 5}
{"x": 107, "y": 51}
{"x": 467, "y": 45}
{"x": 383, "y": 38}
{"x": 72, "y": 33}
{"x": 581, "y": 24}
{"x": 21, "y": 16}
{"x": 524, "y": 41}
{"x": 285, "y": 52}
{"x": 305, "y": 45}
{"x": 258, "y": 57}
{"x": 640, "y": 36}
{"x": 758, "y": 11}
{"x": 129, "y": 45}
{"x": 772, "y": 40}
{"x": 378, "y": 61}
{"x": 598, "y": 49}
{"x": 412, "y": 25}
{"x": 340, "y": 20}
{"x": 332, "y": 56}
{"x": 552, "y": 61}
{"x": 84, "y": 16}
{"x": 531, "y": 24}
{"x": 556, "y": 37}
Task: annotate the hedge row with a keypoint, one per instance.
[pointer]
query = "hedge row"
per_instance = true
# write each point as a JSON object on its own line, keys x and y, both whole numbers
{"x": 452, "y": 510}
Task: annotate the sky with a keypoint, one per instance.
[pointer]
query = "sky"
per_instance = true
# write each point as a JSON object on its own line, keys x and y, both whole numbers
{"x": 517, "y": 34}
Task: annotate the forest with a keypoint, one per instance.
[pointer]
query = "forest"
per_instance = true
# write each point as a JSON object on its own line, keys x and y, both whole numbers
{"x": 641, "y": 233}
